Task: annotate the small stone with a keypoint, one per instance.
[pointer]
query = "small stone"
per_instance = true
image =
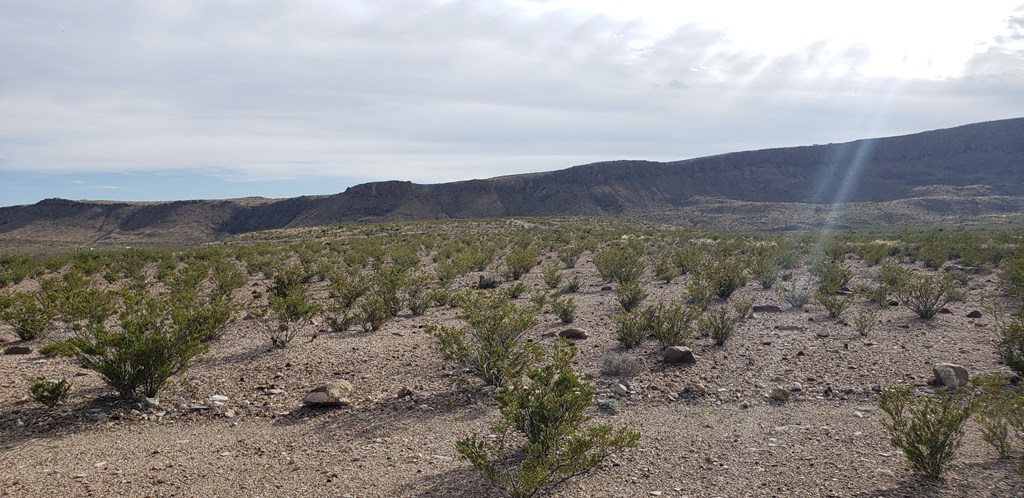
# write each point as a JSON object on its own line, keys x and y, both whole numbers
{"x": 796, "y": 387}
{"x": 780, "y": 395}
{"x": 766, "y": 308}
{"x": 974, "y": 314}
{"x": 620, "y": 389}
{"x": 229, "y": 413}
{"x": 8, "y": 337}
{"x": 573, "y": 333}
{"x": 218, "y": 398}
{"x": 788, "y": 328}
{"x": 272, "y": 391}
{"x": 696, "y": 389}
{"x": 950, "y": 375}
{"x": 18, "y": 350}
{"x": 606, "y": 288}
{"x": 945, "y": 311}
{"x": 823, "y": 333}
{"x": 678, "y": 354}
{"x": 405, "y": 392}
{"x": 334, "y": 393}
{"x": 655, "y": 493}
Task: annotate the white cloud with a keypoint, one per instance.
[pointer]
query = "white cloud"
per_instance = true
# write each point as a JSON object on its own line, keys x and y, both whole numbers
{"x": 433, "y": 91}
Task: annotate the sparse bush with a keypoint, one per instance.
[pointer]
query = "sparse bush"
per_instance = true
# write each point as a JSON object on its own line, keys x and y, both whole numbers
{"x": 620, "y": 365}
{"x": 928, "y": 430}
{"x": 570, "y": 254}
{"x": 623, "y": 264}
{"x": 565, "y": 308}
{"x": 631, "y": 295}
{"x": 890, "y": 274}
{"x": 700, "y": 293}
{"x": 1000, "y": 413}
{"x": 672, "y": 325}
{"x": 515, "y": 289}
{"x": 832, "y": 275}
{"x": 718, "y": 324}
{"x": 289, "y": 301}
{"x": 726, "y": 277}
{"x": 520, "y": 261}
{"x": 765, "y": 271}
{"x": 878, "y": 294}
{"x": 796, "y": 297}
{"x": 374, "y": 312}
{"x": 572, "y": 286}
{"x": 539, "y": 298}
{"x": 864, "y": 321}
{"x": 552, "y": 274}
{"x": 49, "y": 392}
{"x": 1010, "y": 330}
{"x": 687, "y": 259}
{"x": 743, "y": 308}
{"x": 492, "y": 345}
{"x": 665, "y": 270}
{"x": 634, "y": 326}
{"x": 143, "y": 352}
{"x": 872, "y": 253}
{"x": 542, "y": 440}
{"x": 927, "y": 294}
{"x": 834, "y": 304}
{"x": 29, "y": 315}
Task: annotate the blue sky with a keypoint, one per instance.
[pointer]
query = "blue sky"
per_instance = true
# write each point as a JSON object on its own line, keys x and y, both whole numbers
{"x": 156, "y": 100}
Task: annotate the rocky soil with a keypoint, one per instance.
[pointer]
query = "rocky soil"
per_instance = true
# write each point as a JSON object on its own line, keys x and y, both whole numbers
{"x": 236, "y": 425}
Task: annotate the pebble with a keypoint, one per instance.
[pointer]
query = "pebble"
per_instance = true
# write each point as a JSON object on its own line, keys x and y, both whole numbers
{"x": 218, "y": 398}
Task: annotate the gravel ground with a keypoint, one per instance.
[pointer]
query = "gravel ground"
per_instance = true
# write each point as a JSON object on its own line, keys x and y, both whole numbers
{"x": 730, "y": 441}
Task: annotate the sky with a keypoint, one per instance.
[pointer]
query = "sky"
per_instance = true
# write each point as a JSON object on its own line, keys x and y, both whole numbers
{"x": 189, "y": 99}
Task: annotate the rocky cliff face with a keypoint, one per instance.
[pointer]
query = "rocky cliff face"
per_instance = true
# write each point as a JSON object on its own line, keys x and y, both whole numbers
{"x": 980, "y": 161}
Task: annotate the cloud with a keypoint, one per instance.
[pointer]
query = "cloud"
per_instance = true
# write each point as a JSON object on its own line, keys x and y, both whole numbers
{"x": 431, "y": 90}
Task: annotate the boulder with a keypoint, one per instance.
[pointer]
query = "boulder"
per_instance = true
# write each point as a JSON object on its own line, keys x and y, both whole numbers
{"x": 573, "y": 333}
{"x": 950, "y": 375}
{"x": 678, "y": 354}
{"x": 334, "y": 393}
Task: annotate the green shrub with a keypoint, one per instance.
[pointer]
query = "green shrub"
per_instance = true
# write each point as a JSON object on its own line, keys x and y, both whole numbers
{"x": 572, "y": 286}
{"x": 700, "y": 293}
{"x": 492, "y": 345}
{"x": 796, "y": 297}
{"x": 204, "y": 318}
{"x": 374, "y": 312}
{"x": 834, "y": 304}
{"x": 929, "y": 431}
{"x": 570, "y": 254}
{"x": 726, "y": 277}
{"x": 542, "y": 440}
{"x": 622, "y": 264}
{"x": 1011, "y": 279}
{"x": 864, "y": 321}
{"x": 687, "y": 259}
{"x": 1000, "y": 413}
{"x": 665, "y": 270}
{"x": 49, "y": 392}
{"x": 832, "y": 275}
{"x": 765, "y": 271}
{"x": 1010, "y": 331}
{"x": 872, "y": 253}
{"x": 552, "y": 274}
{"x": 143, "y": 352}
{"x": 672, "y": 325}
{"x": 565, "y": 308}
{"x": 890, "y": 274}
{"x": 634, "y": 326}
{"x": 520, "y": 261}
{"x": 927, "y": 294}
{"x": 30, "y": 316}
{"x": 289, "y": 301}
{"x": 878, "y": 294}
{"x": 515, "y": 289}
{"x": 718, "y": 324}
{"x": 59, "y": 348}
{"x": 631, "y": 295}
{"x": 620, "y": 365}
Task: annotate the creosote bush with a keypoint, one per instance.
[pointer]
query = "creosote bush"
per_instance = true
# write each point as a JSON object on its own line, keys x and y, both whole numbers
{"x": 796, "y": 296}
{"x": 865, "y": 319}
{"x": 927, "y": 294}
{"x": 928, "y": 430}
{"x": 143, "y": 351}
{"x": 719, "y": 324}
{"x": 520, "y": 261}
{"x": 492, "y": 345}
{"x": 552, "y": 274}
{"x": 672, "y": 325}
{"x": 29, "y": 315}
{"x": 49, "y": 392}
{"x": 634, "y": 326}
{"x": 621, "y": 264}
{"x": 620, "y": 365}
{"x": 631, "y": 295}
{"x": 835, "y": 304}
{"x": 543, "y": 438}
{"x": 565, "y": 308}
{"x": 1000, "y": 413}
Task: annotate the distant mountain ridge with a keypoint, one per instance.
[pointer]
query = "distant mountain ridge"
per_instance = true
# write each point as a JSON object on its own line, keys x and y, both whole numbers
{"x": 946, "y": 169}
